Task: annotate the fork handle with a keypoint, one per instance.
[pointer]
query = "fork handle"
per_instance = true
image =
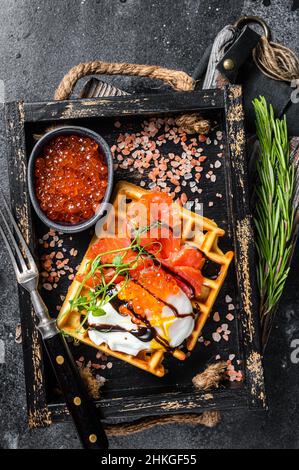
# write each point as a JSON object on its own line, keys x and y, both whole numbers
{"x": 80, "y": 406}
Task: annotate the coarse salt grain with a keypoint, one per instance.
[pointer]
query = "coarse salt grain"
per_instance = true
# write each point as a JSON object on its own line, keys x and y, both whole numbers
{"x": 216, "y": 317}
{"x": 229, "y": 317}
{"x": 167, "y": 167}
{"x": 216, "y": 337}
{"x": 47, "y": 286}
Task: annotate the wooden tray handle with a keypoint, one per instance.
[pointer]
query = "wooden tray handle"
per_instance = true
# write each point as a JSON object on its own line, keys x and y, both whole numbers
{"x": 177, "y": 79}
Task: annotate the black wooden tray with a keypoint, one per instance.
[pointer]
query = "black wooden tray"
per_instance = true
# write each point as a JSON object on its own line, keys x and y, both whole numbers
{"x": 130, "y": 393}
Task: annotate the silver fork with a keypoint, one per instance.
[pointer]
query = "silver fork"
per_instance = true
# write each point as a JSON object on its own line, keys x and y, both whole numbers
{"x": 26, "y": 272}
{"x": 80, "y": 406}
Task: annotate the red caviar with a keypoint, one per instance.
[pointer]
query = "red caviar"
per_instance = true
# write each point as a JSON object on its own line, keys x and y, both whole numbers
{"x": 70, "y": 178}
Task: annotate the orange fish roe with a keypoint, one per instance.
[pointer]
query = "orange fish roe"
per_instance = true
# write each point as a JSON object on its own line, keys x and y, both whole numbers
{"x": 159, "y": 283}
{"x": 70, "y": 178}
{"x": 143, "y": 303}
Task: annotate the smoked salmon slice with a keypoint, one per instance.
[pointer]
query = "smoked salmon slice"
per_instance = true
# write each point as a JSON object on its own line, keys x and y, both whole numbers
{"x": 187, "y": 256}
{"x": 115, "y": 245}
{"x": 182, "y": 260}
{"x": 192, "y": 276}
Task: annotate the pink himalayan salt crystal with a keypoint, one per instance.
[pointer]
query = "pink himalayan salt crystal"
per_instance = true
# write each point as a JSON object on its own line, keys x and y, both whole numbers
{"x": 216, "y": 316}
{"x": 216, "y": 337}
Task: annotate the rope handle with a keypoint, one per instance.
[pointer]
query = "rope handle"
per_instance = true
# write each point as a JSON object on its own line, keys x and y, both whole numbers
{"x": 177, "y": 79}
{"x": 209, "y": 379}
{"x": 209, "y": 419}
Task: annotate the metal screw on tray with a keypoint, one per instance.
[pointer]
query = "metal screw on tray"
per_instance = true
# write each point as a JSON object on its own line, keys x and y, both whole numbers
{"x": 229, "y": 64}
{"x": 80, "y": 406}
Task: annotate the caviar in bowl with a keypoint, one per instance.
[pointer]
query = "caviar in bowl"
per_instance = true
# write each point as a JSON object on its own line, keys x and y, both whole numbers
{"x": 70, "y": 178}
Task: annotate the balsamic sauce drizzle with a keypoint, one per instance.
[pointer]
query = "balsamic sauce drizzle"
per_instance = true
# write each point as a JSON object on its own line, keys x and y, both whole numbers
{"x": 210, "y": 269}
{"x": 144, "y": 333}
{"x": 172, "y": 308}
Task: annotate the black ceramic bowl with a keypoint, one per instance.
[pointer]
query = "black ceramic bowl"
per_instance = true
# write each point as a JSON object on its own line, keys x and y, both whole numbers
{"x": 37, "y": 151}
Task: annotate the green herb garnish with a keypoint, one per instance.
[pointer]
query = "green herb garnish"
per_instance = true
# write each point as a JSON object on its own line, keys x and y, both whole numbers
{"x": 117, "y": 261}
{"x": 274, "y": 213}
{"x": 99, "y": 312}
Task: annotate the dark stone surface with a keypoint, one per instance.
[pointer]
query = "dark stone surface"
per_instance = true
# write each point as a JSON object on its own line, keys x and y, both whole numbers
{"x": 39, "y": 42}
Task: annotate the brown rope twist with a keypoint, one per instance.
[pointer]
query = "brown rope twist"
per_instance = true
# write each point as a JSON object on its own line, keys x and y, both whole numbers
{"x": 208, "y": 419}
{"x": 193, "y": 123}
{"x": 210, "y": 378}
{"x": 276, "y": 61}
{"x": 177, "y": 79}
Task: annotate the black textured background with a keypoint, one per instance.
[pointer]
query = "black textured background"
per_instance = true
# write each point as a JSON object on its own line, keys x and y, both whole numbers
{"x": 39, "y": 42}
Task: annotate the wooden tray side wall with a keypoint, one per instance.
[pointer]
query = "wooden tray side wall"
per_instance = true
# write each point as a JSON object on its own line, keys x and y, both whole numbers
{"x": 244, "y": 243}
{"x": 37, "y": 409}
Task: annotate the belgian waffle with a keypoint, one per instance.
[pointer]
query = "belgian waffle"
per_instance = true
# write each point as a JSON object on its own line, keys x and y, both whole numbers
{"x": 206, "y": 240}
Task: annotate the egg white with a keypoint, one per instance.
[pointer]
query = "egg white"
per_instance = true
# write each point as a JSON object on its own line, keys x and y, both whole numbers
{"x": 174, "y": 329}
{"x": 180, "y": 302}
{"x": 121, "y": 341}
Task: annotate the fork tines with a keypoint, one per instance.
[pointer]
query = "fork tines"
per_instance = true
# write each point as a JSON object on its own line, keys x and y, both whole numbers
{"x": 15, "y": 244}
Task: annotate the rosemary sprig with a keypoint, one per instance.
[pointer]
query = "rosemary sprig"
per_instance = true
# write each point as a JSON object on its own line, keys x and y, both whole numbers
{"x": 274, "y": 214}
